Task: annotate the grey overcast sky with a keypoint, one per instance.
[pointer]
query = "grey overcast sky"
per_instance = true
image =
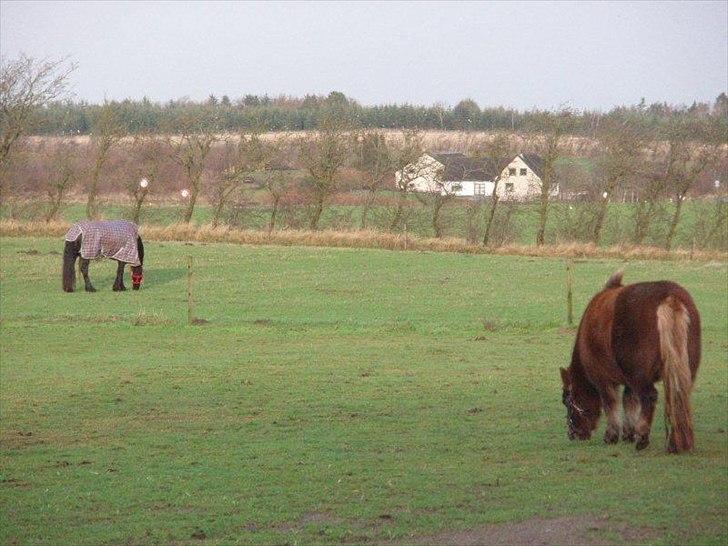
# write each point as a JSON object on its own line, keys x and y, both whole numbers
{"x": 522, "y": 54}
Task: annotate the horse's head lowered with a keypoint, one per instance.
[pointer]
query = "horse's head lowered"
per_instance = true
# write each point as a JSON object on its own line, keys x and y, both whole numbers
{"x": 137, "y": 276}
{"x": 582, "y": 410}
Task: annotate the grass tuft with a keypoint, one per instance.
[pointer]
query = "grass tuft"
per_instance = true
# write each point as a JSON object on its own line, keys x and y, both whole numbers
{"x": 142, "y": 318}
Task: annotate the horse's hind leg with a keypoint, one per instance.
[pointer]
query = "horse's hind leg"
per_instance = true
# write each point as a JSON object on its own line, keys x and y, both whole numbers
{"x": 84, "y": 271}
{"x": 648, "y": 398}
{"x": 631, "y": 406}
{"x": 119, "y": 282}
{"x": 611, "y": 408}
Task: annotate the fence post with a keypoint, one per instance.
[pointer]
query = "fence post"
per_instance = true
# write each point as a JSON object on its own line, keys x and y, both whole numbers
{"x": 189, "y": 290}
{"x": 569, "y": 293}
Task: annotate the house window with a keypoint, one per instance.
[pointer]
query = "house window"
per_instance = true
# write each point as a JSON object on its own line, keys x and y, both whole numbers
{"x": 523, "y": 172}
{"x": 479, "y": 189}
{"x": 509, "y": 186}
{"x": 511, "y": 171}
{"x": 457, "y": 187}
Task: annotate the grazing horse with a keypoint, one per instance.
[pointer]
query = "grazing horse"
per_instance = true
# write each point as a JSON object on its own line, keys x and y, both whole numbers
{"x": 634, "y": 336}
{"x": 115, "y": 239}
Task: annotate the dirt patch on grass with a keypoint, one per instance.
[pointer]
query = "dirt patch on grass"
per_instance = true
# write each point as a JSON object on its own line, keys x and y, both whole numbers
{"x": 34, "y": 252}
{"x": 199, "y": 322}
{"x": 263, "y": 322}
{"x": 571, "y": 530}
{"x": 309, "y": 518}
{"x": 319, "y": 518}
{"x": 150, "y": 319}
{"x": 75, "y": 319}
{"x": 14, "y": 482}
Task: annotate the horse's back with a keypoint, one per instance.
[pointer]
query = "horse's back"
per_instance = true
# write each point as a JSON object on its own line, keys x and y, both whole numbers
{"x": 115, "y": 239}
{"x": 618, "y": 339}
{"x": 635, "y": 335}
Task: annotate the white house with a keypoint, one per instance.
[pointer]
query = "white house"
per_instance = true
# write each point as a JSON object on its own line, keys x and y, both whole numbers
{"x": 521, "y": 179}
{"x": 452, "y": 173}
{"x": 447, "y": 173}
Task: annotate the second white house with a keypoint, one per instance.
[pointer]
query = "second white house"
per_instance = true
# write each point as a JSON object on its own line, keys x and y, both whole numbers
{"x": 453, "y": 173}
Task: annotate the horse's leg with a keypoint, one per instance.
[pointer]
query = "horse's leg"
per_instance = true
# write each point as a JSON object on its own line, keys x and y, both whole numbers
{"x": 119, "y": 282}
{"x": 631, "y": 406}
{"x": 610, "y": 404}
{"x": 84, "y": 272}
{"x": 648, "y": 398}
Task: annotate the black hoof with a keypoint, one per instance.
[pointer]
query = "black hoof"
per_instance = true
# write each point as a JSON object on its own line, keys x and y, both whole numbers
{"x": 90, "y": 289}
{"x": 642, "y": 443}
{"x": 119, "y": 288}
{"x": 628, "y": 437}
{"x": 611, "y": 437}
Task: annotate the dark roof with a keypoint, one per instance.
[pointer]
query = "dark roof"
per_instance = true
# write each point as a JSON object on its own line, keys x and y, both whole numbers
{"x": 459, "y": 167}
{"x": 535, "y": 162}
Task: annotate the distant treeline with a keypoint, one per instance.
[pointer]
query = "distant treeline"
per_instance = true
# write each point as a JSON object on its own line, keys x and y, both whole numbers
{"x": 298, "y": 114}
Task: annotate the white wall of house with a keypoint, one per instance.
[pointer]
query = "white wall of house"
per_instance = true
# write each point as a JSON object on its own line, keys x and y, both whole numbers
{"x": 472, "y": 188}
{"x": 425, "y": 175}
{"x": 519, "y": 182}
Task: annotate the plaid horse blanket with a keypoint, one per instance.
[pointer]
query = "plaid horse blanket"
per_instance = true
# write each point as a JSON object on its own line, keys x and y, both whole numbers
{"x": 115, "y": 239}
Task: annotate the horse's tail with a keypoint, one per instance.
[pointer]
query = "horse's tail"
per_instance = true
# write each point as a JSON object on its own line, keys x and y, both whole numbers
{"x": 70, "y": 253}
{"x": 673, "y": 323}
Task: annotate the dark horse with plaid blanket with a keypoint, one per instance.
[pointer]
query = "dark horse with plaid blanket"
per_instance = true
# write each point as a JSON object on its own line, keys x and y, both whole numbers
{"x": 634, "y": 336}
{"x": 115, "y": 239}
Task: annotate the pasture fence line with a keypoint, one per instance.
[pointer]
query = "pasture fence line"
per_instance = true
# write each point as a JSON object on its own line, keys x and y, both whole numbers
{"x": 370, "y": 239}
{"x": 190, "y": 313}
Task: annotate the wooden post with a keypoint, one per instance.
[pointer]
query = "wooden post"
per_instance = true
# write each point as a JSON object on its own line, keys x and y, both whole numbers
{"x": 692, "y": 248}
{"x": 405, "y": 235}
{"x": 569, "y": 294}
{"x": 190, "y": 317}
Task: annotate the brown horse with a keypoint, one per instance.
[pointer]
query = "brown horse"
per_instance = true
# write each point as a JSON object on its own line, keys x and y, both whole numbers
{"x": 634, "y": 336}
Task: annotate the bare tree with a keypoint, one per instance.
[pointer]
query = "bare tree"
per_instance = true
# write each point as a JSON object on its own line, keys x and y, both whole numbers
{"x": 241, "y": 162}
{"x": 493, "y": 156}
{"x": 648, "y": 193}
{"x": 278, "y": 175}
{"x": 373, "y": 157}
{"x": 107, "y": 131}
{"x": 323, "y": 155}
{"x": 681, "y": 166}
{"x": 146, "y": 151}
{"x": 65, "y": 172}
{"x": 405, "y": 156}
{"x": 620, "y": 157}
{"x": 190, "y": 148}
{"x": 439, "y": 193}
{"x": 25, "y": 85}
{"x": 226, "y": 179}
{"x": 551, "y": 145}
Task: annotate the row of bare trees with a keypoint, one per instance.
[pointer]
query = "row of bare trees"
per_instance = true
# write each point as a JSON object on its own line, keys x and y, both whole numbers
{"x": 334, "y": 162}
{"x": 622, "y": 158}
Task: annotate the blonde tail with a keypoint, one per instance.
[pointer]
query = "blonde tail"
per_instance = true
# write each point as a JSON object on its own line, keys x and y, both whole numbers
{"x": 672, "y": 327}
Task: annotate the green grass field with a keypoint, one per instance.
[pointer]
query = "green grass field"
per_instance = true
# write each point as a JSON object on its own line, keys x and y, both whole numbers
{"x": 333, "y": 396}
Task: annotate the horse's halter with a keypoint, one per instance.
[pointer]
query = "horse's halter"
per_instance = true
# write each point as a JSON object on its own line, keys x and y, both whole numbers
{"x": 571, "y": 406}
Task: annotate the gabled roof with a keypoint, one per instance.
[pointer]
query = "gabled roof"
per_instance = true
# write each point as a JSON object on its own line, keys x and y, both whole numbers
{"x": 459, "y": 167}
{"x": 535, "y": 162}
